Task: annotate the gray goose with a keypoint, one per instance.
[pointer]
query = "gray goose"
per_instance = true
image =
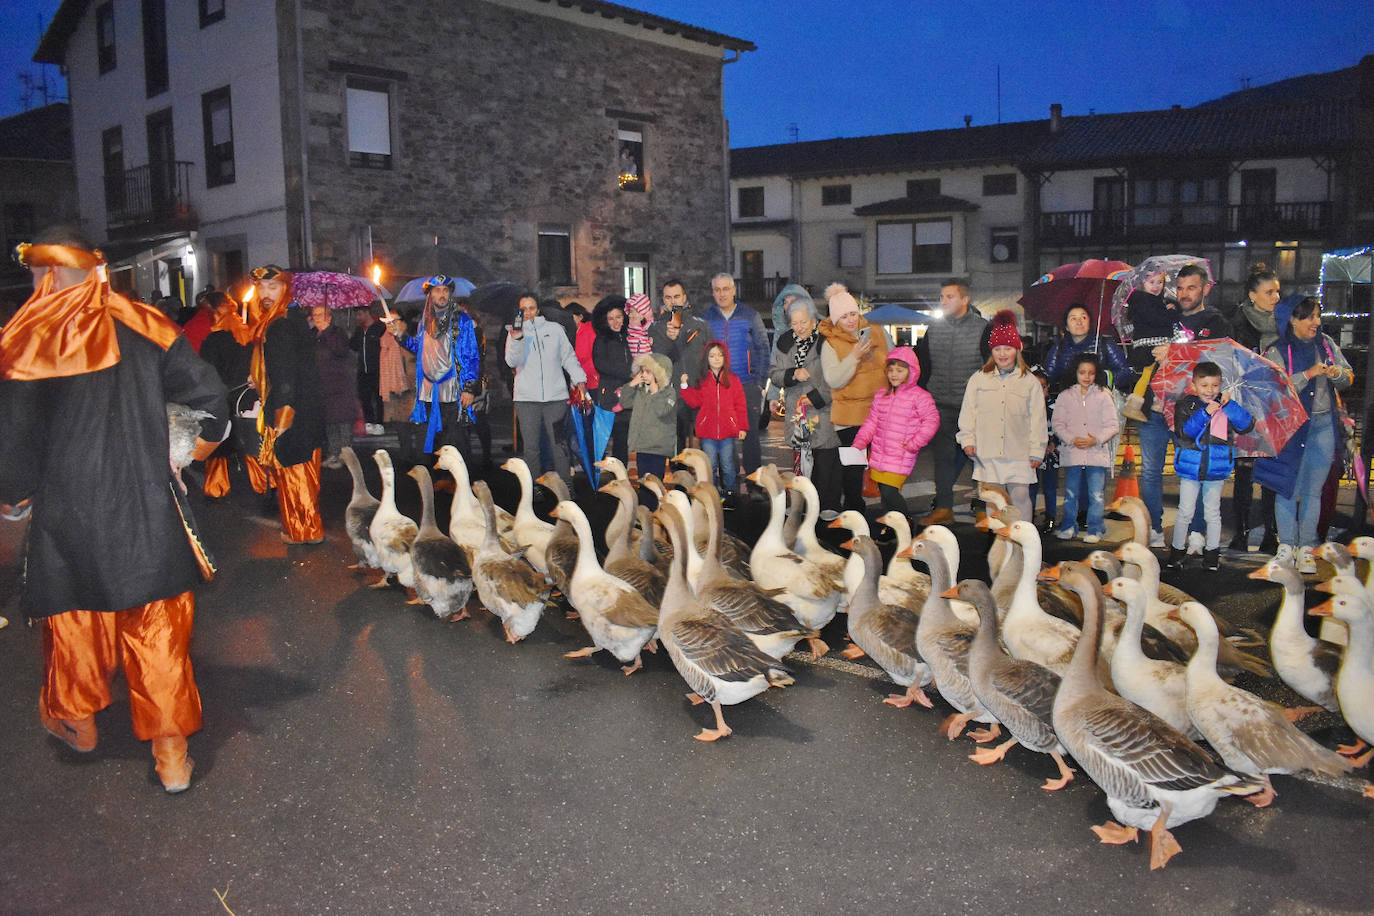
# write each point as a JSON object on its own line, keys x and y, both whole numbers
{"x": 362, "y": 506}
{"x": 1153, "y": 775}
{"x": 561, "y": 551}
{"x": 716, "y": 659}
{"x": 887, "y": 632}
{"x": 621, "y": 560}
{"x": 443, "y": 579}
{"x": 1019, "y": 693}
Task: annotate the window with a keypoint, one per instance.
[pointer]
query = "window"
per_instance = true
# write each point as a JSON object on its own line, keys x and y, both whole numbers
{"x": 999, "y": 185}
{"x": 211, "y": 11}
{"x": 921, "y": 188}
{"x": 155, "y": 46}
{"x": 19, "y": 224}
{"x": 919, "y": 247}
{"x": 555, "y": 256}
{"x": 630, "y": 157}
{"x": 750, "y": 202}
{"x": 751, "y": 265}
{"x": 112, "y": 154}
{"x": 219, "y": 138}
{"x": 1257, "y": 186}
{"x": 849, "y": 249}
{"x": 1190, "y": 200}
{"x": 1004, "y": 246}
{"x": 835, "y": 194}
{"x": 369, "y": 123}
{"x": 105, "y": 37}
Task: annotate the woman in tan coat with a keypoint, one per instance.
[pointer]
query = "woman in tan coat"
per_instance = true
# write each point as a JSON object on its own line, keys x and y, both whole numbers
{"x": 853, "y": 360}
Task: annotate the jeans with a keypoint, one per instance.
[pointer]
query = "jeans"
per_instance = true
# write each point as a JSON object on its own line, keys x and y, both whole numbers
{"x": 1154, "y": 443}
{"x": 1188, "y": 491}
{"x": 1091, "y": 479}
{"x": 540, "y": 422}
{"x": 1297, "y": 515}
{"x": 721, "y": 453}
{"x": 752, "y": 451}
{"x": 949, "y": 457}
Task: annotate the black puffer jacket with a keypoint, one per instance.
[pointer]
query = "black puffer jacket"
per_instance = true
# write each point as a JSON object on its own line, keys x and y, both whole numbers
{"x": 610, "y": 353}
{"x": 293, "y": 380}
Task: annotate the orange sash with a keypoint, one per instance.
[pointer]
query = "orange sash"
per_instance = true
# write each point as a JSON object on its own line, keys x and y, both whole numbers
{"x": 229, "y": 320}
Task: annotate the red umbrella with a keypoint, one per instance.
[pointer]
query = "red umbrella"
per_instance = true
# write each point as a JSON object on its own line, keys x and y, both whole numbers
{"x": 1089, "y": 283}
{"x": 1255, "y": 383}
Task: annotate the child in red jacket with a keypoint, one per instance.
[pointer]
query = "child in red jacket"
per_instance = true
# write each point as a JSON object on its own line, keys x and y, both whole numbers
{"x": 901, "y": 421}
{"x": 722, "y": 415}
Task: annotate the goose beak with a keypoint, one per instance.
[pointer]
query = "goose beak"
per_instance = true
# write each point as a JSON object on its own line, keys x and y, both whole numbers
{"x": 1050, "y": 574}
{"x": 982, "y": 524}
{"x": 848, "y": 545}
{"x": 1003, "y": 533}
{"x": 752, "y": 477}
{"x": 1325, "y": 587}
{"x": 951, "y": 592}
{"x": 906, "y": 554}
{"x": 1325, "y": 609}
{"x": 604, "y": 488}
{"x": 1173, "y": 614}
{"x": 1352, "y": 549}
{"x": 834, "y": 524}
{"x": 1114, "y": 506}
{"x": 1262, "y": 573}
{"x": 1107, "y": 590}
{"x": 553, "y": 513}
{"x": 1118, "y": 554}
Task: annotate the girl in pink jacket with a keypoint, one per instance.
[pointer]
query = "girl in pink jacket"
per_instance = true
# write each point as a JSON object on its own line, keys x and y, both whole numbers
{"x": 1085, "y": 421}
{"x": 901, "y": 420}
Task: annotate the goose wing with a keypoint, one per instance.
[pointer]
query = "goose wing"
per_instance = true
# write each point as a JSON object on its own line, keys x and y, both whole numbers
{"x": 895, "y": 627}
{"x": 441, "y": 558}
{"x": 709, "y": 642}
{"x": 751, "y": 609}
{"x": 1125, "y": 736}
{"x": 519, "y": 581}
{"x": 630, "y": 610}
{"x": 1029, "y": 685}
{"x": 397, "y": 536}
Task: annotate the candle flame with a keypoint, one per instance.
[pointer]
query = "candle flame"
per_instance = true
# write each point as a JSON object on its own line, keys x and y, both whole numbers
{"x": 377, "y": 273}
{"x": 248, "y": 296}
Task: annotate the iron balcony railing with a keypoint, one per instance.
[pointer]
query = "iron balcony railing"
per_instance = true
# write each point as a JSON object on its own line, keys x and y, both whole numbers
{"x": 157, "y": 193}
{"x": 1277, "y": 220}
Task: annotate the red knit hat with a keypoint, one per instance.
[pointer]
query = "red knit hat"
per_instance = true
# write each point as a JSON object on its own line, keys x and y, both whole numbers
{"x": 1004, "y": 333}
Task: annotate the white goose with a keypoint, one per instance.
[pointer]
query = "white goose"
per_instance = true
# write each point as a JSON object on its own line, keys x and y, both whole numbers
{"x": 1159, "y": 686}
{"x": 391, "y": 532}
{"x": 890, "y": 591}
{"x": 443, "y": 577}
{"x": 1355, "y": 680}
{"x": 949, "y": 550}
{"x": 362, "y": 506}
{"x": 615, "y": 615}
{"x": 1305, "y": 664}
{"x": 531, "y": 532}
{"x": 465, "y": 522}
{"x": 899, "y": 569}
{"x": 1028, "y": 631}
{"x": 807, "y": 545}
{"x": 508, "y": 586}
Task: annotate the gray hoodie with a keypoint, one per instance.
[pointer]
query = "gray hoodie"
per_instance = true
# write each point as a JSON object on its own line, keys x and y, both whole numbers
{"x": 539, "y": 358}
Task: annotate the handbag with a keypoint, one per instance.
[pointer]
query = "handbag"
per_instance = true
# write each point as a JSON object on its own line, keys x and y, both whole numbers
{"x": 247, "y": 439}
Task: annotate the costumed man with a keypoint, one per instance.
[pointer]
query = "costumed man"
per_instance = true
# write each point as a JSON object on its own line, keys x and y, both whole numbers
{"x": 85, "y": 379}
{"x": 291, "y": 420}
{"x": 448, "y": 367}
{"x": 227, "y": 349}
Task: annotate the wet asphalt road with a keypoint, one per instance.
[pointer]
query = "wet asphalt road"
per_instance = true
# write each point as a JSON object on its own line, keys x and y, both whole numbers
{"x": 360, "y": 756}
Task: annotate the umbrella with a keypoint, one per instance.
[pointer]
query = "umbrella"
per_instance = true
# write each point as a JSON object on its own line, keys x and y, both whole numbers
{"x": 1170, "y": 264}
{"x": 499, "y": 299}
{"x": 428, "y": 260}
{"x": 602, "y": 421}
{"x": 414, "y": 291}
{"x": 578, "y": 421}
{"x": 1082, "y": 283}
{"x": 895, "y": 314}
{"x": 335, "y": 290}
{"x": 1255, "y": 383}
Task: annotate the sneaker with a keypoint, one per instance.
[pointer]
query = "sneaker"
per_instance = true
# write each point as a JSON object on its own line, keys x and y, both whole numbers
{"x": 1175, "y": 560}
{"x": 1285, "y": 555}
{"x": 1241, "y": 542}
{"x": 1066, "y": 534}
{"x": 1212, "y": 559}
{"x": 1092, "y": 538}
{"x": 374, "y": 429}
{"x": 1156, "y": 538}
{"x": 1307, "y": 564}
{"x": 1195, "y": 543}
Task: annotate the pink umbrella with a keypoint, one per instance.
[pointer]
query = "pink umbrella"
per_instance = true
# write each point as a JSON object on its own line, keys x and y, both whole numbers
{"x": 1090, "y": 283}
{"x": 335, "y": 290}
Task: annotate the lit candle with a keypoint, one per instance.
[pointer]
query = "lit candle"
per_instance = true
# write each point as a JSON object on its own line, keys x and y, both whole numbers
{"x": 377, "y": 280}
{"x": 248, "y": 297}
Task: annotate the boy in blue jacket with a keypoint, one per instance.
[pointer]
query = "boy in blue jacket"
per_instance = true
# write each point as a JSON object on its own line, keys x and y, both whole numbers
{"x": 1205, "y": 428}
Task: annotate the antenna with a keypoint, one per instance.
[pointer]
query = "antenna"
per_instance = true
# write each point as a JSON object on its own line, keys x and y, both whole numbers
{"x": 1245, "y": 82}
{"x": 793, "y": 132}
{"x": 999, "y": 93}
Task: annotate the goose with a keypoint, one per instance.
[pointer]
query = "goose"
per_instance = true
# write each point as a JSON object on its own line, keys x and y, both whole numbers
{"x": 1053, "y": 599}
{"x": 531, "y": 532}
{"x": 949, "y": 550}
{"x": 683, "y": 503}
{"x": 812, "y": 593}
{"x": 561, "y": 551}
{"x": 851, "y": 570}
{"x": 1027, "y": 630}
{"x": 358, "y": 516}
{"x": 886, "y": 632}
{"x": 796, "y": 512}
{"x": 1342, "y": 561}
{"x": 1362, "y": 548}
{"x": 614, "y": 613}
{"x": 767, "y": 622}
{"x": 622, "y": 523}
{"x": 465, "y": 522}
{"x": 1017, "y": 692}
{"x": 997, "y": 506}
{"x": 613, "y": 466}
{"x": 508, "y": 586}
{"x": 1307, "y": 665}
{"x": 1250, "y": 735}
{"x": 1345, "y": 586}
{"x": 944, "y": 642}
{"x": 716, "y": 659}
{"x": 443, "y": 578}
{"x": 807, "y": 545}
{"x": 391, "y": 532}
{"x": 621, "y": 560}
{"x": 1154, "y": 776}
{"x": 1153, "y": 643}
{"x": 899, "y": 568}
{"x": 1159, "y": 686}
{"x": 1157, "y": 609}
{"x": 1355, "y": 680}
{"x": 657, "y": 551}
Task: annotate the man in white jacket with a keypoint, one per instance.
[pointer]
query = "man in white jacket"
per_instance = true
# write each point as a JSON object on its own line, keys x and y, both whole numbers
{"x": 539, "y": 352}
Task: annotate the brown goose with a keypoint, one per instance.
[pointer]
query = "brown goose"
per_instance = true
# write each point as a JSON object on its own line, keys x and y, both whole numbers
{"x": 621, "y": 560}
{"x": 1019, "y": 693}
{"x": 561, "y": 551}
{"x": 443, "y": 579}
{"x": 716, "y": 659}
{"x": 362, "y": 506}
{"x": 508, "y": 586}
{"x": 1154, "y": 776}
{"x": 887, "y": 632}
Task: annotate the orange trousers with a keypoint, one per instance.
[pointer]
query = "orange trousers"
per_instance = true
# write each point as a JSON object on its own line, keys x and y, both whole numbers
{"x": 82, "y": 650}
{"x": 298, "y": 495}
{"x": 216, "y": 477}
{"x": 257, "y": 474}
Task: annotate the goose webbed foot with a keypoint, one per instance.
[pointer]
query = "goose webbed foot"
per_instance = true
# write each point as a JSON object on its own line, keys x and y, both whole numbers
{"x": 581, "y": 653}
{"x": 913, "y": 694}
{"x": 1294, "y": 713}
{"x": 652, "y": 646}
{"x": 1163, "y": 846}
{"x": 695, "y": 699}
{"x": 511, "y": 637}
{"x": 986, "y": 756}
{"x": 1065, "y": 774}
{"x": 852, "y": 651}
{"x": 818, "y": 647}
{"x": 715, "y": 734}
{"x": 1113, "y": 834}
{"x": 953, "y": 726}
{"x": 573, "y": 615}
{"x": 383, "y": 582}
{"x": 1265, "y": 798}
{"x": 633, "y": 667}
{"x": 1369, "y": 790}
{"x": 984, "y": 735}
{"x": 1350, "y": 750}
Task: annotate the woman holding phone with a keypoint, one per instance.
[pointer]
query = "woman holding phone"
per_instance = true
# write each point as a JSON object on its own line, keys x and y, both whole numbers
{"x": 853, "y": 358}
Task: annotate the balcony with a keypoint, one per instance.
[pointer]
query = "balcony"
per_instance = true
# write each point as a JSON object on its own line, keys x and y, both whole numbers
{"x": 759, "y": 290}
{"x": 150, "y": 198}
{"x": 1311, "y": 219}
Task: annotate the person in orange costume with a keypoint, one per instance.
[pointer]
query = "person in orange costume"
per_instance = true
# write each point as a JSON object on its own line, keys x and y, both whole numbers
{"x": 85, "y": 376}
{"x": 226, "y": 348}
{"x": 292, "y": 417}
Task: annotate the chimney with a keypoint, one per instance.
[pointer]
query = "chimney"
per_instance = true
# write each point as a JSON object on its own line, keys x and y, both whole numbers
{"x": 968, "y": 120}
{"x": 1056, "y": 118}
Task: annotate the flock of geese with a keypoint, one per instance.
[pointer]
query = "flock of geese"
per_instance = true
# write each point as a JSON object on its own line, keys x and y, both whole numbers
{"x": 1125, "y": 677}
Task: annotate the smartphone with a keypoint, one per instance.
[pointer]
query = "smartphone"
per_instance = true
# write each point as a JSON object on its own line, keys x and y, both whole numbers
{"x": 519, "y": 320}
{"x": 864, "y": 335}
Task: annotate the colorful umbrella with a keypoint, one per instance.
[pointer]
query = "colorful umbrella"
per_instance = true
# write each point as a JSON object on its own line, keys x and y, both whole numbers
{"x": 1170, "y": 264}
{"x": 414, "y": 291}
{"x": 335, "y": 290}
{"x": 1255, "y": 383}
{"x": 1089, "y": 283}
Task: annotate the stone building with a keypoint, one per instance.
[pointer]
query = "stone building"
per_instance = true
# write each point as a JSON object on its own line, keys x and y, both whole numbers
{"x": 36, "y": 188}
{"x": 578, "y": 148}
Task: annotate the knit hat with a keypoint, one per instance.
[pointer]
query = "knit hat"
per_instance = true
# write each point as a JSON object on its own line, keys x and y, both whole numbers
{"x": 639, "y": 302}
{"x": 842, "y": 302}
{"x": 1004, "y": 333}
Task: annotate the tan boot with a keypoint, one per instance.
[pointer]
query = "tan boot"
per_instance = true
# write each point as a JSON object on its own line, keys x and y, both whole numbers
{"x": 937, "y": 517}
{"x": 77, "y": 734}
{"x": 174, "y": 766}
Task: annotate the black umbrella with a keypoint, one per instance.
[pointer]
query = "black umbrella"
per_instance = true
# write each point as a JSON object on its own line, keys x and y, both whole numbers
{"x": 428, "y": 260}
{"x": 499, "y": 299}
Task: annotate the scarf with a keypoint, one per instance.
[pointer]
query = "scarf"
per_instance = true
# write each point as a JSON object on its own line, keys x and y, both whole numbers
{"x": 804, "y": 345}
{"x": 466, "y": 359}
{"x": 394, "y": 376}
{"x": 230, "y": 320}
{"x": 61, "y": 333}
{"x": 1264, "y": 324}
